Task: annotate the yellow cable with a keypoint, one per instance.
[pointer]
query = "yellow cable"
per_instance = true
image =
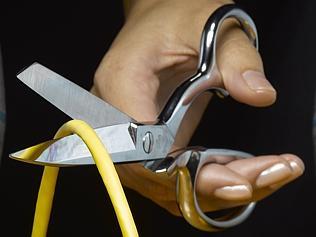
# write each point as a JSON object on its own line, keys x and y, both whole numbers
{"x": 44, "y": 201}
{"x": 107, "y": 171}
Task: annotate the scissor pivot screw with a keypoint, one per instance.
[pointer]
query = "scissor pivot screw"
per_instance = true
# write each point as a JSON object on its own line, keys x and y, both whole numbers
{"x": 148, "y": 142}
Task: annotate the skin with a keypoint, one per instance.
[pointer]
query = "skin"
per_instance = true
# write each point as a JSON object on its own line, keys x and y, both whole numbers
{"x": 156, "y": 49}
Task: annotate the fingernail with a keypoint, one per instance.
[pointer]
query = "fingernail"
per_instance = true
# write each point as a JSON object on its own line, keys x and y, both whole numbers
{"x": 257, "y": 81}
{"x": 235, "y": 192}
{"x": 272, "y": 175}
{"x": 297, "y": 169}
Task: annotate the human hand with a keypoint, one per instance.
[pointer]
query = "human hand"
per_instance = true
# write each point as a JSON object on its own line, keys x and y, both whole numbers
{"x": 156, "y": 49}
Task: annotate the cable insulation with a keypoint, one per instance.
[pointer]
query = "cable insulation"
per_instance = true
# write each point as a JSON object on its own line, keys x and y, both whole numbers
{"x": 107, "y": 171}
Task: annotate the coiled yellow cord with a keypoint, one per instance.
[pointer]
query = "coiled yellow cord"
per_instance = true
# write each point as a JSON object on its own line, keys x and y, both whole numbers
{"x": 107, "y": 171}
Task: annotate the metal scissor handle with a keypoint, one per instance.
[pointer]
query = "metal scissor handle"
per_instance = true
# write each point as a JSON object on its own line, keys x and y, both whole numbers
{"x": 189, "y": 163}
{"x": 187, "y": 166}
{"x": 207, "y": 70}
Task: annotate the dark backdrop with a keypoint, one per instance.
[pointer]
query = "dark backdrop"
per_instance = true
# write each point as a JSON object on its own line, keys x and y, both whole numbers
{"x": 71, "y": 38}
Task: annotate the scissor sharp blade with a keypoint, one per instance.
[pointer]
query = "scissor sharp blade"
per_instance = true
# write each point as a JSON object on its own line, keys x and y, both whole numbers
{"x": 71, "y": 150}
{"x": 70, "y": 98}
{"x": 124, "y": 142}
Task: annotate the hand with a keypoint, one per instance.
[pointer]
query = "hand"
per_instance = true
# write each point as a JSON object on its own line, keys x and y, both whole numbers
{"x": 156, "y": 49}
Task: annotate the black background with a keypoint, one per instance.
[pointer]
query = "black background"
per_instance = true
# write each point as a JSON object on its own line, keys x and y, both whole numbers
{"x": 71, "y": 38}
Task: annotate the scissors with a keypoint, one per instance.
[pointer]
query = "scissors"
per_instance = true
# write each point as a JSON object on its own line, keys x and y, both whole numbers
{"x": 130, "y": 141}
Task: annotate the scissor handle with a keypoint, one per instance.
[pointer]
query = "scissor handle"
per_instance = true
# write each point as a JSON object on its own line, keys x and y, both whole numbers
{"x": 207, "y": 71}
{"x": 187, "y": 166}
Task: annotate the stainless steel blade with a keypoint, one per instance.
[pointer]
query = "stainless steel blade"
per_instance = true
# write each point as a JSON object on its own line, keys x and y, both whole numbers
{"x": 71, "y": 150}
{"x": 124, "y": 142}
{"x": 70, "y": 98}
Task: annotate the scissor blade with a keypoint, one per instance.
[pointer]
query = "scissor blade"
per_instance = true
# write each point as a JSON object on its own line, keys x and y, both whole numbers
{"x": 70, "y": 98}
{"x": 71, "y": 150}
{"x": 125, "y": 143}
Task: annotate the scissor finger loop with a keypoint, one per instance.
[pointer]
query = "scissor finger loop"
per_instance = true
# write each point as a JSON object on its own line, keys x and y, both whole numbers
{"x": 187, "y": 166}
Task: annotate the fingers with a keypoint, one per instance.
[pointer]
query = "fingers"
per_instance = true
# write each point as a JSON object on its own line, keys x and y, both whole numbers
{"x": 242, "y": 69}
{"x": 297, "y": 167}
{"x": 245, "y": 180}
{"x": 265, "y": 171}
{"x": 222, "y": 182}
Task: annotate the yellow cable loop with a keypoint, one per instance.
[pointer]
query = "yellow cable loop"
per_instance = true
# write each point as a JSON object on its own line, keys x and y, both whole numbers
{"x": 107, "y": 171}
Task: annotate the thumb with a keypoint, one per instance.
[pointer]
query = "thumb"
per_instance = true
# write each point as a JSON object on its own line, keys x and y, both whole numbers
{"x": 242, "y": 69}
